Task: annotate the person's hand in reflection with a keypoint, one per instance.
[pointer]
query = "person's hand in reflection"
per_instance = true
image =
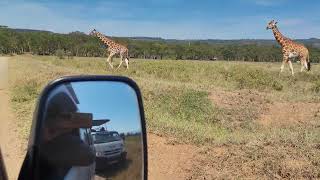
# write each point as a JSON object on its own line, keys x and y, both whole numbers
{"x": 62, "y": 147}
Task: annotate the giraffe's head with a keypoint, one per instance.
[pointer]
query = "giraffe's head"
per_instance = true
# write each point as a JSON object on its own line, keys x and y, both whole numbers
{"x": 272, "y": 24}
{"x": 93, "y": 32}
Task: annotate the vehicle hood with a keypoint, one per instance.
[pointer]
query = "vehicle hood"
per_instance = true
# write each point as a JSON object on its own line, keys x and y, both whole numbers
{"x": 108, "y": 146}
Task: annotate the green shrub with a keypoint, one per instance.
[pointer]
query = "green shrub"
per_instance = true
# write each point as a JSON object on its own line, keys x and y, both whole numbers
{"x": 184, "y": 113}
{"x": 60, "y": 53}
{"x": 316, "y": 87}
{"x": 27, "y": 91}
{"x": 69, "y": 55}
{"x": 255, "y": 78}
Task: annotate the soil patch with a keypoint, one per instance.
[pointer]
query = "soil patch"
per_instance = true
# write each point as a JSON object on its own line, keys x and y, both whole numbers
{"x": 239, "y": 108}
{"x": 11, "y": 144}
{"x": 290, "y": 114}
{"x": 169, "y": 160}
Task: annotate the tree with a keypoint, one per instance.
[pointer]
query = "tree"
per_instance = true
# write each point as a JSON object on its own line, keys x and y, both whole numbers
{"x": 80, "y": 44}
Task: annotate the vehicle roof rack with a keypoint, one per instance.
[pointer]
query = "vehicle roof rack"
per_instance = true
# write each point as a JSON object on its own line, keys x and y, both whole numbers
{"x": 99, "y": 122}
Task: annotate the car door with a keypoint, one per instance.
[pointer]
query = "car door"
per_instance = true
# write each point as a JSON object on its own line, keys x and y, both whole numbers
{"x": 83, "y": 172}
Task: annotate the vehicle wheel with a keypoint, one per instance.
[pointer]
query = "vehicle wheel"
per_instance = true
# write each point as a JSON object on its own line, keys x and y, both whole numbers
{"x": 124, "y": 156}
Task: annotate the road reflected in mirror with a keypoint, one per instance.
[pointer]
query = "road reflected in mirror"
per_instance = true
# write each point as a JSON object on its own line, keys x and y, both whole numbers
{"x": 92, "y": 130}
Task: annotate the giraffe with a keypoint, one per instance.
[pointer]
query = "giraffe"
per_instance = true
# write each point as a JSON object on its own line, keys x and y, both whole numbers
{"x": 113, "y": 48}
{"x": 290, "y": 49}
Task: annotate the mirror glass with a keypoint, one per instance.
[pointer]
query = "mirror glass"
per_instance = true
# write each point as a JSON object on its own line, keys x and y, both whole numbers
{"x": 91, "y": 130}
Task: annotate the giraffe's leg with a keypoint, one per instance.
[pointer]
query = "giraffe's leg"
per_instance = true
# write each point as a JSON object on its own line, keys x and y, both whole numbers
{"x": 282, "y": 66}
{"x": 305, "y": 65}
{"x": 127, "y": 62}
{"x": 291, "y": 67}
{"x": 121, "y": 61}
{"x": 109, "y": 60}
{"x": 301, "y": 63}
{"x": 302, "y": 67}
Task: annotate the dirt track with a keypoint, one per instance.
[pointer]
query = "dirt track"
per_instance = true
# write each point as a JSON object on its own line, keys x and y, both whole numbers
{"x": 168, "y": 160}
{"x": 9, "y": 141}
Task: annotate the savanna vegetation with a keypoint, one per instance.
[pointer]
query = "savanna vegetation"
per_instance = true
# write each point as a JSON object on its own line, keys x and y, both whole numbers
{"x": 15, "y": 41}
{"x": 249, "y": 121}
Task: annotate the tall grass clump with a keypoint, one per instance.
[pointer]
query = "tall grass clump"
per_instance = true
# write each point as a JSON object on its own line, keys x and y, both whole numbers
{"x": 187, "y": 114}
{"x": 316, "y": 86}
{"x": 26, "y": 91}
{"x": 60, "y": 53}
{"x": 250, "y": 78}
{"x": 23, "y": 98}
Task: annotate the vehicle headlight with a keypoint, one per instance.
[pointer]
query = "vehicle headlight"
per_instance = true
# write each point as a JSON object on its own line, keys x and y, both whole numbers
{"x": 99, "y": 154}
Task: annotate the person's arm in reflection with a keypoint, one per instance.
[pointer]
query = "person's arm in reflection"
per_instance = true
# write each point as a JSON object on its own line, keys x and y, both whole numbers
{"x": 68, "y": 149}
{"x": 61, "y": 146}
{"x": 63, "y": 152}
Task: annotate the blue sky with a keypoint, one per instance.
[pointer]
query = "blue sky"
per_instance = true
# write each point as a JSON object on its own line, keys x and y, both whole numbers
{"x": 180, "y": 19}
{"x": 110, "y": 100}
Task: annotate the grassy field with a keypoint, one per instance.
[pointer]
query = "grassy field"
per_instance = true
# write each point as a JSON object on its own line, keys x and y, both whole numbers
{"x": 266, "y": 125}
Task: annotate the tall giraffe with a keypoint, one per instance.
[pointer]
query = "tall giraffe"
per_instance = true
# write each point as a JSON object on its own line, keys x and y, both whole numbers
{"x": 290, "y": 49}
{"x": 113, "y": 48}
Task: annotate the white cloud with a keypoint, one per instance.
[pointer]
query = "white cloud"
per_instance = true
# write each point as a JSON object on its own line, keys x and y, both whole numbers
{"x": 268, "y": 2}
{"x": 292, "y": 22}
{"x": 34, "y": 16}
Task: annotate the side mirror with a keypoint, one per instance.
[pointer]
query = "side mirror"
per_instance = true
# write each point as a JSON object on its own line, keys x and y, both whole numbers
{"x": 3, "y": 172}
{"x": 79, "y": 127}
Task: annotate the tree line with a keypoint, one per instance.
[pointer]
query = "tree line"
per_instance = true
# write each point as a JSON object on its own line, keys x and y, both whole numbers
{"x": 80, "y": 44}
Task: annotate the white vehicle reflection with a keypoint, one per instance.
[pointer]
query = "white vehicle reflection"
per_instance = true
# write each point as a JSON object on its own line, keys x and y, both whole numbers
{"x": 109, "y": 148}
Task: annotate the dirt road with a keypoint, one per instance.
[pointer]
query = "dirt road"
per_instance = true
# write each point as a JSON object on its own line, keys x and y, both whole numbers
{"x": 9, "y": 141}
{"x": 168, "y": 160}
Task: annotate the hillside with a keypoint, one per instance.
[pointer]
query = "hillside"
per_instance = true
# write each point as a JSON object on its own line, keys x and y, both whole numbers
{"x": 311, "y": 41}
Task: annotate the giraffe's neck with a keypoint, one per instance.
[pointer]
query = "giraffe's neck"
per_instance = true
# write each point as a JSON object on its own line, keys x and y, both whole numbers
{"x": 278, "y": 36}
{"x": 107, "y": 41}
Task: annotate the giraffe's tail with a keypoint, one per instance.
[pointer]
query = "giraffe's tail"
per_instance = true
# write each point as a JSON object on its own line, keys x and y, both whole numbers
{"x": 308, "y": 63}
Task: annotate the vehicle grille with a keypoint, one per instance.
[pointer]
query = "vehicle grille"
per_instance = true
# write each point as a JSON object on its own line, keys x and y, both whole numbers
{"x": 111, "y": 152}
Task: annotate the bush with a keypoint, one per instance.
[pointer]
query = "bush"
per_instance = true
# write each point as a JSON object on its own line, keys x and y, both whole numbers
{"x": 187, "y": 105}
{"x": 316, "y": 87}
{"x": 69, "y": 55}
{"x": 256, "y": 79}
{"x": 26, "y": 91}
{"x": 60, "y": 53}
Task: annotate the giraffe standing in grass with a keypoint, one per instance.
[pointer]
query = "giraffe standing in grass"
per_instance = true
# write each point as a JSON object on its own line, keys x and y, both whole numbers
{"x": 290, "y": 49}
{"x": 113, "y": 48}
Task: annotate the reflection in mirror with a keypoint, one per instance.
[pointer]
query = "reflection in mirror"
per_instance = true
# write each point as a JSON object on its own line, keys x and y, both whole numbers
{"x": 91, "y": 130}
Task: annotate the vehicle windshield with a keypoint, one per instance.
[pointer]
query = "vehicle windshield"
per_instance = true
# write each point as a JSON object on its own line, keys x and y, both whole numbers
{"x": 106, "y": 137}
